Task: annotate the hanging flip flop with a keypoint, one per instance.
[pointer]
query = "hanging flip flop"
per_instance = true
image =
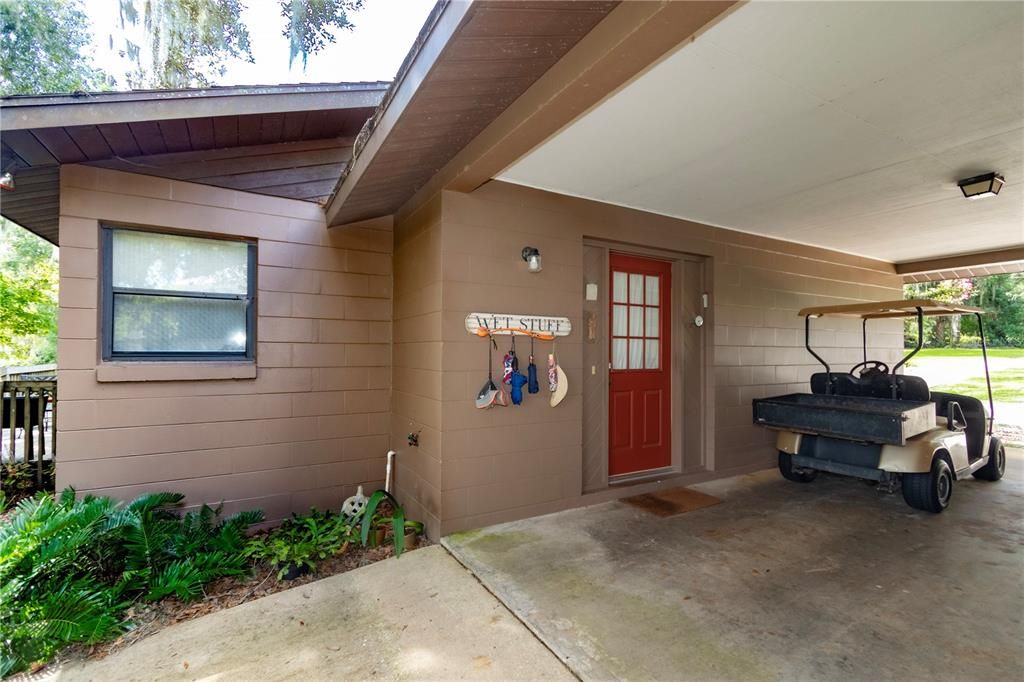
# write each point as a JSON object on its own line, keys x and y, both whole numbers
{"x": 531, "y": 373}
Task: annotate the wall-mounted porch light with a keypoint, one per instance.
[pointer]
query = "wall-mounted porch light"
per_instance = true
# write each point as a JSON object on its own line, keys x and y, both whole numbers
{"x": 981, "y": 186}
{"x": 7, "y": 181}
{"x": 532, "y": 257}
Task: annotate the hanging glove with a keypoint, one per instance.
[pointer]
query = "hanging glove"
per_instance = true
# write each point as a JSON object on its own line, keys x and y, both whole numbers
{"x": 518, "y": 381}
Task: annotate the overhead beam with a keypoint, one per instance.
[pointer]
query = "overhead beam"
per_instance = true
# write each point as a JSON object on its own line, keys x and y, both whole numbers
{"x": 633, "y": 37}
{"x": 21, "y": 113}
{"x": 967, "y": 260}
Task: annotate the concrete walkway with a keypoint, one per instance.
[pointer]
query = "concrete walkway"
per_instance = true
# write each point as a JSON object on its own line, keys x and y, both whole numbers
{"x": 832, "y": 580}
{"x": 422, "y": 617}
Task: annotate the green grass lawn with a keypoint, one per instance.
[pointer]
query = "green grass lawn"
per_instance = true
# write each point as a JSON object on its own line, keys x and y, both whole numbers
{"x": 969, "y": 352}
{"x": 960, "y": 370}
{"x": 1007, "y": 386}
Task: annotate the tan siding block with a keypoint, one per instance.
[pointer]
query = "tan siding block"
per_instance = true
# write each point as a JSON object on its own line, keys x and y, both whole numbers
{"x": 274, "y": 304}
{"x": 80, "y": 263}
{"x": 77, "y": 323}
{"x": 320, "y": 306}
{"x": 289, "y": 280}
{"x": 77, "y": 354}
{"x": 367, "y": 262}
{"x": 367, "y": 309}
{"x": 79, "y": 232}
{"x": 343, "y": 331}
{"x": 287, "y": 329}
{"x": 78, "y": 293}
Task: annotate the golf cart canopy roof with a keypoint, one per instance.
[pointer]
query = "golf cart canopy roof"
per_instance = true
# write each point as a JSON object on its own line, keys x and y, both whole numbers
{"x": 883, "y": 309}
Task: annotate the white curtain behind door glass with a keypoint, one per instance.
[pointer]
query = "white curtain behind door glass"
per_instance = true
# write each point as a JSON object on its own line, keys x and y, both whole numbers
{"x": 618, "y": 353}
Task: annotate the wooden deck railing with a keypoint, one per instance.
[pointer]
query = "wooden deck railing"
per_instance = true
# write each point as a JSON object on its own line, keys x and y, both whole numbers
{"x": 29, "y": 420}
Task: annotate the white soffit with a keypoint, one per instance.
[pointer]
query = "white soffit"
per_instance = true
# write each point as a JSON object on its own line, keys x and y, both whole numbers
{"x": 842, "y": 125}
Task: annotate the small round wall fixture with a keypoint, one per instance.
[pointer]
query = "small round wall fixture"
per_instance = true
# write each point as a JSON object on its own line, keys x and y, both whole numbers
{"x": 532, "y": 257}
{"x": 981, "y": 186}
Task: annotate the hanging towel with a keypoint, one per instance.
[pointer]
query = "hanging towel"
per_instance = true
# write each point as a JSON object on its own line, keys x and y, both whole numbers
{"x": 552, "y": 373}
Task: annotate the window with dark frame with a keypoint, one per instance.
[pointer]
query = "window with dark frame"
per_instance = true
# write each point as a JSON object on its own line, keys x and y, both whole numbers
{"x": 172, "y": 296}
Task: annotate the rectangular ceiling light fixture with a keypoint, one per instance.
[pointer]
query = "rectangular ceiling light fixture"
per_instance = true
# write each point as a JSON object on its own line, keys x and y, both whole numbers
{"x": 981, "y": 186}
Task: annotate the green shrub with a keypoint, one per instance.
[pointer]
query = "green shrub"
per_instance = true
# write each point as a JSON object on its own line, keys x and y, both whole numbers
{"x": 18, "y": 480}
{"x": 69, "y": 568}
{"x": 968, "y": 341}
{"x": 301, "y": 541}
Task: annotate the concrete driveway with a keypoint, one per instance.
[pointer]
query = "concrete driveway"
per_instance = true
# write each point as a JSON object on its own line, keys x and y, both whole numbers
{"x": 422, "y": 616}
{"x": 831, "y": 580}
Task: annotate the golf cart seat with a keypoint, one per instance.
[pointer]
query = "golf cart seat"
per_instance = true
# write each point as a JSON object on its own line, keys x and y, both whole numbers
{"x": 908, "y": 387}
{"x": 974, "y": 418}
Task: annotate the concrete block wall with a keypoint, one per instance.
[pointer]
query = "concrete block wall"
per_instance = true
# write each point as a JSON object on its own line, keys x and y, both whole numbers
{"x": 418, "y": 377}
{"x": 509, "y": 463}
{"x": 300, "y": 427}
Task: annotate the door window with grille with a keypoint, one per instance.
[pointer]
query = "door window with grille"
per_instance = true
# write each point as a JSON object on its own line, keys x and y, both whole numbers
{"x": 636, "y": 321}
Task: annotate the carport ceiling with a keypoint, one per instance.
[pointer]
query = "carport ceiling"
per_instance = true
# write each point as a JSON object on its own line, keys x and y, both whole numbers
{"x": 841, "y": 125}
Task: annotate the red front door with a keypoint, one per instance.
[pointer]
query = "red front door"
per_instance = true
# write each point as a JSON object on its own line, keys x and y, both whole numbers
{"x": 640, "y": 394}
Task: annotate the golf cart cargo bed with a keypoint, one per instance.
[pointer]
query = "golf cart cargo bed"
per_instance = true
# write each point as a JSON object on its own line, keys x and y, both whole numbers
{"x": 871, "y": 420}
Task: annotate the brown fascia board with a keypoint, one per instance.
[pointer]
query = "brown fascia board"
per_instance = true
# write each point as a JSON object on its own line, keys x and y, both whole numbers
{"x": 631, "y": 39}
{"x": 442, "y": 23}
{"x": 966, "y": 260}
{"x": 47, "y": 111}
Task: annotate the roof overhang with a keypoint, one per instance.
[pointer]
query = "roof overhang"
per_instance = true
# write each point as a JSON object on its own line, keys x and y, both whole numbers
{"x": 22, "y": 112}
{"x": 284, "y": 140}
{"x": 490, "y": 80}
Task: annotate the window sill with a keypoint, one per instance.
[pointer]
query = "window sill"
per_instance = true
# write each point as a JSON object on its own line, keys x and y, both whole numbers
{"x": 175, "y": 371}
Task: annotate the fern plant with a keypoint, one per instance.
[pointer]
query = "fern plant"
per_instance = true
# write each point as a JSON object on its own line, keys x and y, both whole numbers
{"x": 51, "y": 593}
{"x": 70, "y": 567}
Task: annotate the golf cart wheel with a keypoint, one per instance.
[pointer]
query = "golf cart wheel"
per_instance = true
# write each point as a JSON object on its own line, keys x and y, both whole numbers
{"x": 791, "y": 474}
{"x": 930, "y": 492}
{"x": 993, "y": 471}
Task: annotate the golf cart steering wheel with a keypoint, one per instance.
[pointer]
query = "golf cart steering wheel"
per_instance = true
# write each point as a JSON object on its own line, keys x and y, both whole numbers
{"x": 871, "y": 367}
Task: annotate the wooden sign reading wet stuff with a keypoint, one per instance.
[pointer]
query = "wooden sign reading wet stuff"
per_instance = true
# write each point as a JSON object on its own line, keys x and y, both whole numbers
{"x": 510, "y": 323}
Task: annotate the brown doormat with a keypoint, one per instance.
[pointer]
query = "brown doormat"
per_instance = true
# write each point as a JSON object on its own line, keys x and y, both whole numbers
{"x": 671, "y": 502}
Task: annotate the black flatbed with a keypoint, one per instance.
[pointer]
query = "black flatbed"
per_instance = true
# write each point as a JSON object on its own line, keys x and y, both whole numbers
{"x": 869, "y": 420}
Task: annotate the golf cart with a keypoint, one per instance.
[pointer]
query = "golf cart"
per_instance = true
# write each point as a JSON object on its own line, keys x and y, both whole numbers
{"x": 874, "y": 424}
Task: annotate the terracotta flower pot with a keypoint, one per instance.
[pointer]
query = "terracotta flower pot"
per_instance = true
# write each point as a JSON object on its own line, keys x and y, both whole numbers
{"x": 412, "y": 540}
{"x": 375, "y": 538}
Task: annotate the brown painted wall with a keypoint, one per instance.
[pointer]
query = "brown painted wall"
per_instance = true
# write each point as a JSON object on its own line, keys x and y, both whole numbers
{"x": 416, "y": 396}
{"x": 310, "y": 423}
{"x": 513, "y": 462}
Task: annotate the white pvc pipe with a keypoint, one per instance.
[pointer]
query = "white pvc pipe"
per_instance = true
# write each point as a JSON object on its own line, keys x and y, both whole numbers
{"x": 389, "y": 473}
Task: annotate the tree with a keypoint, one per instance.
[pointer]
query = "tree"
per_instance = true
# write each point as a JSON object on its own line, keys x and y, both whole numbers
{"x": 309, "y": 23}
{"x": 188, "y": 41}
{"x": 1001, "y": 295}
{"x": 41, "y": 45}
{"x": 28, "y": 297}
